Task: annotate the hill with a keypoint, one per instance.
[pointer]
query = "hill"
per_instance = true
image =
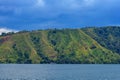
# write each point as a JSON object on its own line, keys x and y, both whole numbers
{"x": 74, "y": 46}
{"x": 108, "y": 37}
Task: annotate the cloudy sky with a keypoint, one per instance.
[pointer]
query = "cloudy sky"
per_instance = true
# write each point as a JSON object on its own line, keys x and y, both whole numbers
{"x": 42, "y": 14}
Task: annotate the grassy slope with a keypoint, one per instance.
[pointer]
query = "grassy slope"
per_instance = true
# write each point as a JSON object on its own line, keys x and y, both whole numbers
{"x": 74, "y": 46}
{"x": 57, "y": 46}
{"x": 108, "y": 37}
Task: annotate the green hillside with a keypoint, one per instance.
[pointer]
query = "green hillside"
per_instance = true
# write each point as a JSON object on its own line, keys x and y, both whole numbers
{"x": 108, "y": 37}
{"x": 58, "y": 46}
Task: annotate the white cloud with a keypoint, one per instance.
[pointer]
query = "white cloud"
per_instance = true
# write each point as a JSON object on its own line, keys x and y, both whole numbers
{"x": 40, "y": 3}
{"x": 89, "y": 2}
{"x": 75, "y": 4}
{"x": 6, "y": 30}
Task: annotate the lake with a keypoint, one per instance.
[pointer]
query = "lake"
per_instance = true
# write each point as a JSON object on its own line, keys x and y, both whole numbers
{"x": 59, "y": 72}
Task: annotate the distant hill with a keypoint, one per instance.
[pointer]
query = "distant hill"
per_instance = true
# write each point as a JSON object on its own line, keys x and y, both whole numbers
{"x": 76, "y": 46}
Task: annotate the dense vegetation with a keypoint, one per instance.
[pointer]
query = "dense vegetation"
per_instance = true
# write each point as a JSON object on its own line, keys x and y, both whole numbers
{"x": 108, "y": 37}
{"x": 87, "y": 45}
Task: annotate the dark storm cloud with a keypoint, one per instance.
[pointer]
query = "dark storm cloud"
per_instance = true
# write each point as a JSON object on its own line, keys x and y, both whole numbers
{"x": 26, "y": 14}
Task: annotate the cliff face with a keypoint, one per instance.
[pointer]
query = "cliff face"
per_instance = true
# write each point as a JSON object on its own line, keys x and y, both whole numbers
{"x": 88, "y": 45}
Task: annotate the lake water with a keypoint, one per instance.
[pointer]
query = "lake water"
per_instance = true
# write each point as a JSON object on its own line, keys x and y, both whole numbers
{"x": 59, "y": 72}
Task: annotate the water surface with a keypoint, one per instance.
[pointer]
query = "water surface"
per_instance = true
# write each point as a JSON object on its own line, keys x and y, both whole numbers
{"x": 59, "y": 72}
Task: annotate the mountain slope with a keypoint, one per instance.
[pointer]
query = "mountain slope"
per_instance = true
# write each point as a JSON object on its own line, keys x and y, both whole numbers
{"x": 108, "y": 37}
{"x": 54, "y": 46}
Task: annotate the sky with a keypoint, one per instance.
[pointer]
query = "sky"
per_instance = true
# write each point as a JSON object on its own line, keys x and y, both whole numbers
{"x": 18, "y": 15}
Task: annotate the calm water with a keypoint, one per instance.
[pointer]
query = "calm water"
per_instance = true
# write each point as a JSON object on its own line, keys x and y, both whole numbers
{"x": 59, "y": 72}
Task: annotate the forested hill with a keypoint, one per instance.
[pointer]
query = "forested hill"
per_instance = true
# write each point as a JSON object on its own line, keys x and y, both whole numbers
{"x": 84, "y": 46}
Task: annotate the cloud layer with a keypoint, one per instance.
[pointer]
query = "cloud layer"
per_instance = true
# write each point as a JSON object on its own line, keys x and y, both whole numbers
{"x": 25, "y": 14}
{"x": 6, "y": 30}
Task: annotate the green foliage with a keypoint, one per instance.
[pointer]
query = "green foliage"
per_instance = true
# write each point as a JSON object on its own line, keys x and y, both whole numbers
{"x": 108, "y": 37}
{"x": 84, "y": 46}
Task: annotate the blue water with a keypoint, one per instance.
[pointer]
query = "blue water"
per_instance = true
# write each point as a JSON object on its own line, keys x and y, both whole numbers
{"x": 59, "y": 72}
